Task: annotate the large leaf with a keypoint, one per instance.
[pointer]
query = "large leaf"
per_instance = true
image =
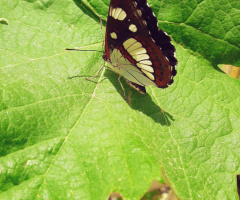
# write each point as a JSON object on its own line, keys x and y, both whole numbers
{"x": 65, "y": 138}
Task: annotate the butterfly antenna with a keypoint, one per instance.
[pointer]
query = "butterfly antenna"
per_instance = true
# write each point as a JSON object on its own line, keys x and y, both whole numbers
{"x": 82, "y": 50}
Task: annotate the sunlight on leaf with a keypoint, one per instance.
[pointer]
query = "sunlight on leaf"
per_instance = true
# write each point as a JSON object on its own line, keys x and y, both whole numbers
{"x": 68, "y": 138}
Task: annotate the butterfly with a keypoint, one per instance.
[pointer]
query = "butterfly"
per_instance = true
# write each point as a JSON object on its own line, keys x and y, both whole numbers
{"x": 136, "y": 48}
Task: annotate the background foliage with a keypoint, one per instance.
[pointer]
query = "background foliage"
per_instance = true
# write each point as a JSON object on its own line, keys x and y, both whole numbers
{"x": 67, "y": 138}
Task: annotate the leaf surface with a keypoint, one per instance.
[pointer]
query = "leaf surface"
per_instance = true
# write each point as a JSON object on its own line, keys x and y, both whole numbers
{"x": 63, "y": 137}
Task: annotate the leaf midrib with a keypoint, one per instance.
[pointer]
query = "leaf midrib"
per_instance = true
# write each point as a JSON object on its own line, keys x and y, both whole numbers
{"x": 70, "y": 131}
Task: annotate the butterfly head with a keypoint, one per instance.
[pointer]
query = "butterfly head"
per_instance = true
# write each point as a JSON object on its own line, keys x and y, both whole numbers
{"x": 104, "y": 56}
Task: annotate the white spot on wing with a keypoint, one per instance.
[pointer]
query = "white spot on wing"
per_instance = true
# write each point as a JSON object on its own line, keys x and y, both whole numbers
{"x": 113, "y": 12}
{"x": 122, "y": 15}
{"x": 129, "y": 42}
{"x": 118, "y": 13}
{"x": 141, "y": 57}
{"x": 134, "y": 46}
{"x": 145, "y": 67}
{"x": 113, "y": 35}
{"x": 149, "y": 75}
{"x": 138, "y": 51}
{"x": 133, "y": 28}
{"x": 146, "y": 62}
{"x": 110, "y": 13}
{"x": 139, "y": 12}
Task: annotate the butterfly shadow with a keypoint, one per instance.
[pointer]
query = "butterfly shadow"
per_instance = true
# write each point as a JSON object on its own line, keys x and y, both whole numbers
{"x": 140, "y": 102}
{"x": 86, "y": 77}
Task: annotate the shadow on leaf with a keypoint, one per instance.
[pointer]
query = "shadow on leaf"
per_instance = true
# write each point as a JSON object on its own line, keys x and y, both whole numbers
{"x": 141, "y": 102}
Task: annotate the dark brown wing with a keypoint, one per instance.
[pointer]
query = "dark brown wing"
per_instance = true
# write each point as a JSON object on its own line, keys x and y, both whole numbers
{"x": 132, "y": 22}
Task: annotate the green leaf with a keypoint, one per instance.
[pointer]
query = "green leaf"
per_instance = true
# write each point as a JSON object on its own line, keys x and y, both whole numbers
{"x": 63, "y": 137}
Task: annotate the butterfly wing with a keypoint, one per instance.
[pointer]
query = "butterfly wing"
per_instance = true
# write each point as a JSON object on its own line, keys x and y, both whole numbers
{"x": 135, "y": 48}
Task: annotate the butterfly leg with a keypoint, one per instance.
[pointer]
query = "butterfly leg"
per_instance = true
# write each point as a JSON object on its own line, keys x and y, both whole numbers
{"x": 93, "y": 77}
{"x": 124, "y": 94}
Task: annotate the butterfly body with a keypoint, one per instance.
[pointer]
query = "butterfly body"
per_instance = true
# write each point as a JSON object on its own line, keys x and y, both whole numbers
{"x": 135, "y": 48}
